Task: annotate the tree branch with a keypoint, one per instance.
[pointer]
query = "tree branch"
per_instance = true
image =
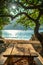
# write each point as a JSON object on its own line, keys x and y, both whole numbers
{"x": 24, "y": 14}
{"x": 12, "y": 17}
{"x": 29, "y": 2}
{"x": 6, "y": 15}
{"x": 29, "y": 7}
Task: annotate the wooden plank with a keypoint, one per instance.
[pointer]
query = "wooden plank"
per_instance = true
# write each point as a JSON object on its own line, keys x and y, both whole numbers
{"x": 16, "y": 52}
{"x": 40, "y": 58}
{"x": 26, "y": 46}
{"x": 21, "y": 50}
{"x": 24, "y": 49}
{"x": 34, "y": 42}
{"x": 8, "y": 51}
{"x": 17, "y": 41}
{"x": 2, "y": 59}
{"x": 33, "y": 53}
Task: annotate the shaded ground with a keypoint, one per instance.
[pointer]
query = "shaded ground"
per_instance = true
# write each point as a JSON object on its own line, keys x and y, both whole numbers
{"x": 22, "y": 61}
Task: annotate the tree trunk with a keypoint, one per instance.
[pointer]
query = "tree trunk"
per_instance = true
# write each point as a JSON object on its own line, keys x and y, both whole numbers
{"x": 0, "y": 34}
{"x": 38, "y": 35}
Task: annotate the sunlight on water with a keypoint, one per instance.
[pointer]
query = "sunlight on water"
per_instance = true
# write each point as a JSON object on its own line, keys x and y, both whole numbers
{"x": 17, "y": 34}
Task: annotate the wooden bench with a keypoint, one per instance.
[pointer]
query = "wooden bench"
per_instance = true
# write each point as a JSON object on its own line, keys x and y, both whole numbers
{"x": 39, "y": 59}
{"x": 20, "y": 50}
{"x": 3, "y": 59}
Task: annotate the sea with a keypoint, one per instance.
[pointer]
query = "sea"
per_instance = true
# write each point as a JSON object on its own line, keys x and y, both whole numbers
{"x": 18, "y": 34}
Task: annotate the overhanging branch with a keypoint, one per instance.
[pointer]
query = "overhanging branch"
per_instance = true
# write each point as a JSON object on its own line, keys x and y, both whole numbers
{"x": 29, "y": 7}
{"x": 24, "y": 14}
{"x": 6, "y": 15}
{"x": 12, "y": 17}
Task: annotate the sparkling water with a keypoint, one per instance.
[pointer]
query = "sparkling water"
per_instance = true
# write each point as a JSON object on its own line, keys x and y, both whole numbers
{"x": 18, "y": 34}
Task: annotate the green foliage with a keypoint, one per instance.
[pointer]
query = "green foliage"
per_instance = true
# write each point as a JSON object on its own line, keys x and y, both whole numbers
{"x": 3, "y": 10}
{"x": 27, "y": 2}
{"x": 41, "y": 19}
{"x": 34, "y": 1}
{"x": 25, "y": 22}
{"x": 33, "y": 13}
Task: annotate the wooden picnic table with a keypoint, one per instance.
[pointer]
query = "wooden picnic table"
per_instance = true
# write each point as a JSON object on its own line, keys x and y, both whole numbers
{"x": 20, "y": 50}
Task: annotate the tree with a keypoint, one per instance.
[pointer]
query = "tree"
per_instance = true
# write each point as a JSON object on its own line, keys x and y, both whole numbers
{"x": 30, "y": 12}
{"x": 3, "y": 10}
{"x": 3, "y": 20}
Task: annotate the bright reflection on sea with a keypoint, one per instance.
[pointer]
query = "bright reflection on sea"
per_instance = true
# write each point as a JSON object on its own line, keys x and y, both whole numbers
{"x": 17, "y": 34}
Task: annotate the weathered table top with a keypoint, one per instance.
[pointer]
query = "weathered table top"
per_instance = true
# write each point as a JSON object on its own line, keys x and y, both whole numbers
{"x": 20, "y": 50}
